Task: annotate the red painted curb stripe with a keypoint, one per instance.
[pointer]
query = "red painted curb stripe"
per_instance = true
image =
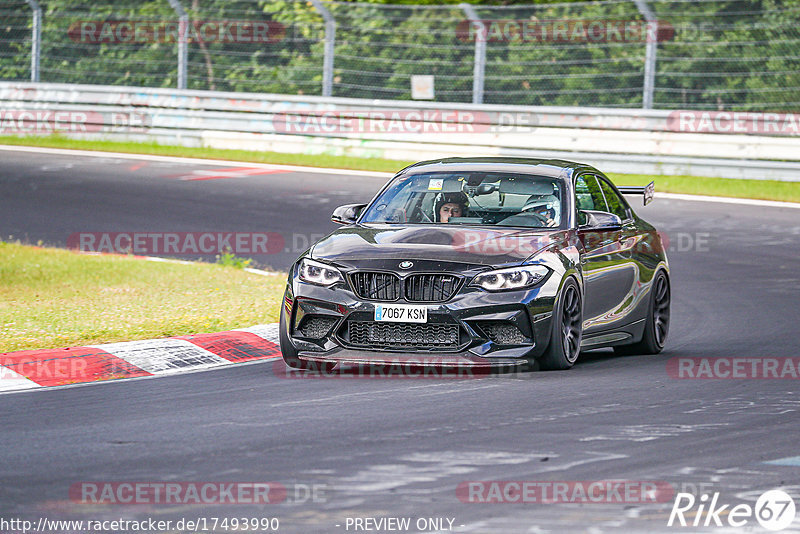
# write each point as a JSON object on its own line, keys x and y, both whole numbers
{"x": 225, "y": 172}
{"x": 235, "y": 346}
{"x": 74, "y": 365}
{"x": 244, "y": 174}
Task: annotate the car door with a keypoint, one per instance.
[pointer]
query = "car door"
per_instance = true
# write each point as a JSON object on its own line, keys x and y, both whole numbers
{"x": 608, "y": 268}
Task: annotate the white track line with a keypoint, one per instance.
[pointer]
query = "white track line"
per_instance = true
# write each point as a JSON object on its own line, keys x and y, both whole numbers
{"x": 344, "y": 172}
{"x": 250, "y": 270}
{"x": 157, "y": 259}
{"x": 198, "y": 161}
{"x": 729, "y": 200}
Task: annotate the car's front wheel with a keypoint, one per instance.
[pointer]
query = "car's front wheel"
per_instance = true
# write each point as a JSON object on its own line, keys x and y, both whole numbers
{"x": 567, "y": 329}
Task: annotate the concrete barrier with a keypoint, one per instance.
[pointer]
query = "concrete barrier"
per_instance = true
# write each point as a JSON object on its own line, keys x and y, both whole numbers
{"x": 616, "y": 140}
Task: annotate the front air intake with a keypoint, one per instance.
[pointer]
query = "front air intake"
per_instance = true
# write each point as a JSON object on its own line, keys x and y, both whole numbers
{"x": 315, "y": 326}
{"x": 407, "y": 336}
{"x": 503, "y": 333}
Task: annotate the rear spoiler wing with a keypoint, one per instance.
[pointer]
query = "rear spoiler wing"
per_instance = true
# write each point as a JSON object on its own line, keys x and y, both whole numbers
{"x": 647, "y": 191}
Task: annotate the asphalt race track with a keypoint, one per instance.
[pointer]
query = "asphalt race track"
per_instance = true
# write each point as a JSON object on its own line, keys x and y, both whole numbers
{"x": 400, "y": 447}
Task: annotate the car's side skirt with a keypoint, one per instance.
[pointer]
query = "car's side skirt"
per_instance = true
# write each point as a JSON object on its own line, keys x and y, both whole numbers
{"x": 629, "y": 333}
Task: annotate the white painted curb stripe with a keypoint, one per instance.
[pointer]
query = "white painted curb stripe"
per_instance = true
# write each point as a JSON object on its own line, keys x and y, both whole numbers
{"x": 158, "y": 357}
{"x": 10, "y": 380}
{"x": 162, "y": 356}
{"x": 268, "y": 332}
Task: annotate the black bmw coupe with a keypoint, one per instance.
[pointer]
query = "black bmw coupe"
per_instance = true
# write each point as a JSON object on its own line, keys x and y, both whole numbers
{"x": 481, "y": 262}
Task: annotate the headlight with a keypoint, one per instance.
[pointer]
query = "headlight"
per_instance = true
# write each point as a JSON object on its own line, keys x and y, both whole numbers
{"x": 512, "y": 278}
{"x": 318, "y": 273}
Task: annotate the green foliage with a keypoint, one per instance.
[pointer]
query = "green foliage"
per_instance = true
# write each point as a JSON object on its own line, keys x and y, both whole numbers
{"x": 229, "y": 259}
{"x": 724, "y": 54}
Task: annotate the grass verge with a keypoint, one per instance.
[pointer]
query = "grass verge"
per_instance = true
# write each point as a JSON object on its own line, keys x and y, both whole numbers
{"x": 693, "y": 185}
{"x": 52, "y": 298}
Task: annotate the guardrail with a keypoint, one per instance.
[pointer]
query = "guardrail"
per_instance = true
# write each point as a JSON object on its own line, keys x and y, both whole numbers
{"x": 759, "y": 146}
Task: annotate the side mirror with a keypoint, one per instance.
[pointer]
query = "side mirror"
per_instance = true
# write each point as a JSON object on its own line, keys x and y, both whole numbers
{"x": 347, "y": 214}
{"x": 599, "y": 220}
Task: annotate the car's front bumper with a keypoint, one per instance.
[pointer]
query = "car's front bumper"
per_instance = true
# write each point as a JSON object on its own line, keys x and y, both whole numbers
{"x": 471, "y": 309}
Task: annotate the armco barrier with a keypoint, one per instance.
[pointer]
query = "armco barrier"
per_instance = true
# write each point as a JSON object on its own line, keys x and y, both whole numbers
{"x": 616, "y": 140}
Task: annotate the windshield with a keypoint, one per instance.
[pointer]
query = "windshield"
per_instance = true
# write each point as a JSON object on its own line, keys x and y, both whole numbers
{"x": 483, "y": 198}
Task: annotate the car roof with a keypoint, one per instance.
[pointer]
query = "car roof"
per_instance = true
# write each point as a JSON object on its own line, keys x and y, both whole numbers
{"x": 553, "y": 168}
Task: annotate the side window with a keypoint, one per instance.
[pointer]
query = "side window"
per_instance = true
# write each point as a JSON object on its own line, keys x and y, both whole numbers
{"x": 588, "y": 196}
{"x": 616, "y": 205}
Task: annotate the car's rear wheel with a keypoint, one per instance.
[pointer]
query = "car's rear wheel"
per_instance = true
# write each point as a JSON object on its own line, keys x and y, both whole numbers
{"x": 567, "y": 330}
{"x": 657, "y": 326}
{"x": 290, "y": 354}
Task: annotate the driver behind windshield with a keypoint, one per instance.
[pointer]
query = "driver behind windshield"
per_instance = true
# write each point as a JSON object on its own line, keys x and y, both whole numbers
{"x": 450, "y": 205}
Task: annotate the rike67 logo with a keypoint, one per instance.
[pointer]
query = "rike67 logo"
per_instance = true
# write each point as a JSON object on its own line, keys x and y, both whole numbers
{"x": 774, "y": 510}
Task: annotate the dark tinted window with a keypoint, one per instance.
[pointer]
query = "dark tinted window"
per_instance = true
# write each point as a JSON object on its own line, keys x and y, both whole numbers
{"x": 588, "y": 196}
{"x": 471, "y": 197}
{"x": 616, "y": 205}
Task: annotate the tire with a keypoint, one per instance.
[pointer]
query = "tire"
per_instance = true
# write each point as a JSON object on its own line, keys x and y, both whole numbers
{"x": 657, "y": 326}
{"x": 567, "y": 330}
{"x": 289, "y": 353}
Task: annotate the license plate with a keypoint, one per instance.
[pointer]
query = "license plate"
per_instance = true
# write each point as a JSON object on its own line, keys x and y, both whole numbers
{"x": 400, "y": 313}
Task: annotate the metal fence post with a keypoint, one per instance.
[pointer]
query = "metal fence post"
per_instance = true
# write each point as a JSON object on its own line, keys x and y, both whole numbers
{"x": 183, "y": 41}
{"x": 330, "y": 40}
{"x": 36, "y": 39}
{"x": 650, "y": 53}
{"x": 480, "y": 53}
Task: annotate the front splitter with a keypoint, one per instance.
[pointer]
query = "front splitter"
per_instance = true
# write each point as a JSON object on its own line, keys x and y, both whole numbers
{"x": 457, "y": 359}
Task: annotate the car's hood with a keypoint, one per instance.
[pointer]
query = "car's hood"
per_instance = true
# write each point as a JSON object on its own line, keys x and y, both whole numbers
{"x": 357, "y": 244}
